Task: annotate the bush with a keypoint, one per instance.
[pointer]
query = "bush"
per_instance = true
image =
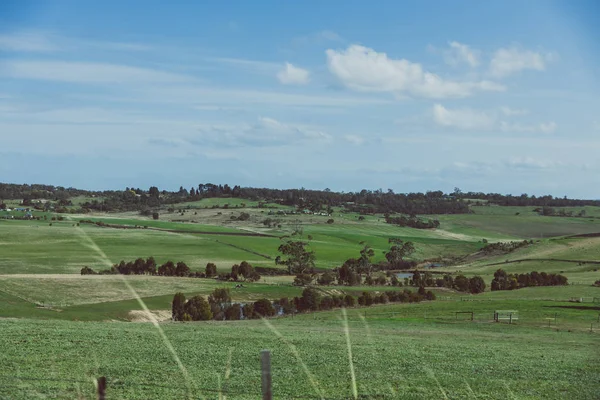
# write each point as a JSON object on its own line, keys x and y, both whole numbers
{"x": 154, "y": 215}
{"x": 87, "y": 271}
{"x": 233, "y": 312}
{"x": 198, "y": 309}
{"x": 264, "y": 308}
{"x": 330, "y": 221}
{"x": 211, "y": 270}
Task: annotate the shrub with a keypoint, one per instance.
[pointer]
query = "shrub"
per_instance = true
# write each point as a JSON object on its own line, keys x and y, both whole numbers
{"x": 198, "y": 308}
{"x": 87, "y": 271}
{"x": 330, "y": 221}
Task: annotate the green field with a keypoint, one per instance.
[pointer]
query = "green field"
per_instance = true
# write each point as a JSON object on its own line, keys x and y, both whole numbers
{"x": 392, "y": 358}
{"x": 60, "y": 330}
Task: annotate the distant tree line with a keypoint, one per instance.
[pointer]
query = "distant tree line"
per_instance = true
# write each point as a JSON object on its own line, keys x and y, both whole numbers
{"x": 505, "y": 247}
{"x": 412, "y": 222}
{"x": 364, "y": 201}
{"x": 561, "y": 212}
{"x": 505, "y": 281}
{"x": 219, "y": 305}
{"x": 239, "y": 272}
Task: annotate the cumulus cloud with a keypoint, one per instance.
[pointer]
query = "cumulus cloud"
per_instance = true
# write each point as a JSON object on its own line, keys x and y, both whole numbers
{"x": 291, "y": 75}
{"x": 469, "y": 119}
{"x": 460, "y": 53}
{"x": 363, "y": 69}
{"x": 507, "y": 61}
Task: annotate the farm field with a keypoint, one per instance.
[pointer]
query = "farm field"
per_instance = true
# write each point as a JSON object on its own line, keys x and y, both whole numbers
{"x": 391, "y": 358}
{"x": 62, "y": 329}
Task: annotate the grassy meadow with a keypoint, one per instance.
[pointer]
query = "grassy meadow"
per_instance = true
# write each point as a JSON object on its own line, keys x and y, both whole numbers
{"x": 60, "y": 330}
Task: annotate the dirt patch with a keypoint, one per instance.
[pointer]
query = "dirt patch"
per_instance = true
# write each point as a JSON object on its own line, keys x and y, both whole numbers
{"x": 142, "y": 316}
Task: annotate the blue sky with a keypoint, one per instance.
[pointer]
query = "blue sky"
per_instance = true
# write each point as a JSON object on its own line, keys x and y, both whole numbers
{"x": 413, "y": 96}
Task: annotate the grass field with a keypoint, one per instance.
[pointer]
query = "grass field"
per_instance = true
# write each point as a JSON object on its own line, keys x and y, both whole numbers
{"x": 60, "y": 329}
{"x": 391, "y": 357}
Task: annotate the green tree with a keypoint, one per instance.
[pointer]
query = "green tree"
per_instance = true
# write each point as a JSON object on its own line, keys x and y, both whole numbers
{"x": 211, "y": 270}
{"x": 476, "y": 284}
{"x": 310, "y": 300}
{"x": 398, "y": 251}
{"x": 303, "y": 279}
{"x": 299, "y": 258}
{"x": 364, "y": 261}
{"x": 233, "y": 312}
{"x": 182, "y": 269}
{"x": 198, "y": 309}
{"x": 178, "y": 307}
{"x": 264, "y": 308}
{"x": 326, "y": 278}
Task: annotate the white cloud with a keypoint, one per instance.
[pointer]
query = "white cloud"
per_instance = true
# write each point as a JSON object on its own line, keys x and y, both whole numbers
{"x": 512, "y": 60}
{"x": 261, "y": 66}
{"x": 468, "y": 119}
{"x": 509, "y": 112}
{"x": 544, "y": 127}
{"x": 291, "y": 75}
{"x": 27, "y": 42}
{"x": 354, "y": 139}
{"x": 462, "y": 118}
{"x": 363, "y": 69}
{"x": 461, "y": 53}
{"x": 265, "y": 132}
{"x": 81, "y": 72}
{"x": 530, "y": 163}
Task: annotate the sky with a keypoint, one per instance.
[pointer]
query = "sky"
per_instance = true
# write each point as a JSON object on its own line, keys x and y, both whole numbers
{"x": 492, "y": 96}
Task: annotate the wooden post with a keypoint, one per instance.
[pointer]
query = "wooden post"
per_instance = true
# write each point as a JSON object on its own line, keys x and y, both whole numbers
{"x": 510, "y": 318}
{"x": 265, "y": 364}
{"x": 101, "y": 388}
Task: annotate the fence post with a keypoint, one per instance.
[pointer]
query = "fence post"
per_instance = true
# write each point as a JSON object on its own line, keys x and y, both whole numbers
{"x": 101, "y": 388}
{"x": 510, "y": 319}
{"x": 265, "y": 363}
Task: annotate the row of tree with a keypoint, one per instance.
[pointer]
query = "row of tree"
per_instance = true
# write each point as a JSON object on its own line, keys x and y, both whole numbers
{"x": 504, "y": 281}
{"x": 505, "y": 247}
{"x": 412, "y": 221}
{"x": 243, "y": 271}
{"x": 219, "y": 306}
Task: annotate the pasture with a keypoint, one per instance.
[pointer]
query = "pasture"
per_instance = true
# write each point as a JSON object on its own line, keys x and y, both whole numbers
{"x": 391, "y": 358}
{"x": 61, "y": 330}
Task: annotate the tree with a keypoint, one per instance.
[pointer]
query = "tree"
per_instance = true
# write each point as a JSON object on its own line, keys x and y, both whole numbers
{"x": 398, "y": 251}
{"x": 150, "y": 266}
{"x": 264, "y": 308}
{"x": 219, "y": 301}
{"x": 299, "y": 259}
{"x": 326, "y": 279}
{"x": 303, "y": 280}
{"x": 476, "y": 284}
{"x": 178, "y": 307}
{"x": 233, "y": 312}
{"x": 347, "y": 273}
{"x": 167, "y": 269}
{"x": 462, "y": 283}
{"x": 364, "y": 261}
{"x": 211, "y": 270}
{"x": 87, "y": 271}
{"x": 248, "y": 311}
{"x": 182, "y": 269}
{"x": 198, "y": 309}
{"x": 310, "y": 300}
